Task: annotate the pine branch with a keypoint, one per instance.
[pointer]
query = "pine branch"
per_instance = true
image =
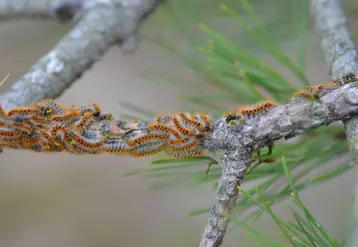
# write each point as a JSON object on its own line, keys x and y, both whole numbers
{"x": 81, "y": 48}
{"x": 341, "y": 57}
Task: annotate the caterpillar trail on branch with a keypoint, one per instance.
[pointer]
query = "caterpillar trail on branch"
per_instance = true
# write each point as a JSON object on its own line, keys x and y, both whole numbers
{"x": 84, "y": 130}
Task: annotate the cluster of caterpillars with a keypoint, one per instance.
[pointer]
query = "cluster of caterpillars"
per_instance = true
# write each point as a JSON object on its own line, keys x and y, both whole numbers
{"x": 50, "y": 127}
{"x": 306, "y": 94}
{"x": 178, "y": 135}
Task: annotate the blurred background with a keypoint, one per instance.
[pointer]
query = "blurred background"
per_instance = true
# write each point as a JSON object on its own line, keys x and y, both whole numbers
{"x": 61, "y": 200}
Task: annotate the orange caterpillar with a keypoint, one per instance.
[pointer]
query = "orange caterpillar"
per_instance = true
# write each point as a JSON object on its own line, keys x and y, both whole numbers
{"x": 145, "y": 138}
{"x": 66, "y": 117}
{"x": 148, "y": 150}
{"x": 22, "y": 111}
{"x": 20, "y": 126}
{"x": 59, "y": 133}
{"x": 87, "y": 143}
{"x": 257, "y": 109}
{"x": 191, "y": 145}
{"x": 87, "y": 117}
{"x": 178, "y": 126}
{"x": 9, "y": 133}
{"x": 163, "y": 118}
{"x": 191, "y": 122}
{"x": 28, "y": 142}
{"x": 206, "y": 119}
{"x": 39, "y": 119}
{"x": 117, "y": 147}
{"x": 165, "y": 129}
{"x": 92, "y": 107}
{"x": 48, "y": 107}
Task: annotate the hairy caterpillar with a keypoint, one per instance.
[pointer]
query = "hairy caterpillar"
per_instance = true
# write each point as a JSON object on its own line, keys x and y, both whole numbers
{"x": 147, "y": 150}
{"x": 92, "y": 107}
{"x": 21, "y": 111}
{"x": 179, "y": 126}
{"x": 257, "y": 109}
{"x": 69, "y": 116}
{"x": 38, "y": 119}
{"x": 84, "y": 121}
{"x": 85, "y": 142}
{"x": 48, "y": 107}
{"x": 118, "y": 147}
{"x": 165, "y": 129}
{"x": 187, "y": 146}
{"x": 20, "y": 126}
{"x": 163, "y": 119}
{"x": 9, "y": 133}
{"x": 145, "y": 138}
{"x": 191, "y": 122}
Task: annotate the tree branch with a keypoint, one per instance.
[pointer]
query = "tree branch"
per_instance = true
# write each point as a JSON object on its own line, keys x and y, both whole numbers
{"x": 233, "y": 166}
{"x": 80, "y": 48}
{"x": 341, "y": 57}
{"x": 39, "y": 9}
